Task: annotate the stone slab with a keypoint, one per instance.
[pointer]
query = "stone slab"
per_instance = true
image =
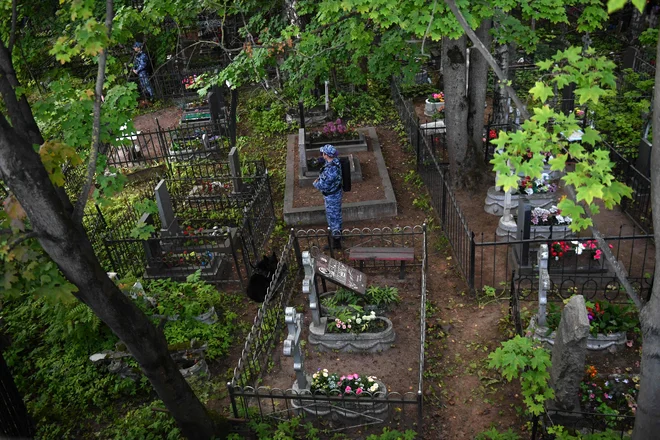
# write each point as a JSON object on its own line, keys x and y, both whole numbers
{"x": 351, "y": 211}
{"x": 495, "y": 201}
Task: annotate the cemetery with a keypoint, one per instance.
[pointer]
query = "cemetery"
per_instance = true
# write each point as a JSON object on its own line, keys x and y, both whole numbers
{"x": 495, "y": 271}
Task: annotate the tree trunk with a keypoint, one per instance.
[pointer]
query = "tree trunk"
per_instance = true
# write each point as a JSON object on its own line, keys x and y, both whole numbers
{"x": 478, "y": 83}
{"x": 15, "y": 422}
{"x": 453, "y": 53}
{"x": 68, "y": 246}
{"x": 636, "y": 25}
{"x": 647, "y": 418}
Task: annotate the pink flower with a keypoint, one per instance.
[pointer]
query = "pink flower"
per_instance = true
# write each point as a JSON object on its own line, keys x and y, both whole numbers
{"x": 348, "y": 390}
{"x": 629, "y": 343}
{"x": 591, "y": 396}
{"x": 342, "y": 378}
{"x": 344, "y": 327}
{"x": 359, "y": 391}
{"x": 338, "y": 325}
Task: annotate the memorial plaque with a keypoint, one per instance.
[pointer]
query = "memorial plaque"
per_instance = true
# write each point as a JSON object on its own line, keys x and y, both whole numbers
{"x": 340, "y": 273}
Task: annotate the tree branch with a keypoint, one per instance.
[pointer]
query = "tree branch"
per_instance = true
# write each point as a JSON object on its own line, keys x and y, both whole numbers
{"x": 609, "y": 256}
{"x": 488, "y": 57}
{"x": 20, "y": 239}
{"x": 96, "y": 129}
{"x": 12, "y": 34}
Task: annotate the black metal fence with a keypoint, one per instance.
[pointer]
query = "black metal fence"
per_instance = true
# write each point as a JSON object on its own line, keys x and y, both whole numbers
{"x": 248, "y": 400}
{"x": 638, "y": 208}
{"x": 176, "y": 83}
{"x": 216, "y": 230}
{"x": 581, "y": 422}
{"x": 205, "y": 140}
{"x": 489, "y": 263}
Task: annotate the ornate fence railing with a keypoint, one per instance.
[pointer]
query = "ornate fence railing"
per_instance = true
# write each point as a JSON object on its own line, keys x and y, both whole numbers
{"x": 250, "y": 400}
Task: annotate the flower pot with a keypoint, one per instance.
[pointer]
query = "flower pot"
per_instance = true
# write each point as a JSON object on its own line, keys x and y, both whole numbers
{"x": 598, "y": 342}
{"x": 431, "y": 108}
{"x": 352, "y": 407}
{"x": 351, "y": 342}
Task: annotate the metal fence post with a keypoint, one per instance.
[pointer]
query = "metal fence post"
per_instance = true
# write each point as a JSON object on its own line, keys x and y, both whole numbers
{"x": 471, "y": 271}
{"x": 296, "y": 248}
{"x": 230, "y": 387}
{"x": 420, "y": 413}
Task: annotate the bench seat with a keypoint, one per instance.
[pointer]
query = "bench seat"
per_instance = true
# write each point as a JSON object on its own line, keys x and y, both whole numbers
{"x": 401, "y": 254}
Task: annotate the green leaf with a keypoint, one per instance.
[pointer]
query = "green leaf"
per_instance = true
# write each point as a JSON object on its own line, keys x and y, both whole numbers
{"x": 541, "y": 91}
{"x": 591, "y": 136}
{"x": 639, "y": 4}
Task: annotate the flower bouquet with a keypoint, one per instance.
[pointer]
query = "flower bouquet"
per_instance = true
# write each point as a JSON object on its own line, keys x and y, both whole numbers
{"x": 542, "y": 185}
{"x": 436, "y": 97}
{"x": 549, "y": 217}
{"x": 366, "y": 395}
{"x": 333, "y": 384}
{"x": 334, "y": 131}
{"x": 347, "y": 322}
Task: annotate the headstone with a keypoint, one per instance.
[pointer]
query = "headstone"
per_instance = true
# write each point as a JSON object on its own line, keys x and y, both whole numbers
{"x": 292, "y": 344}
{"x": 152, "y": 249}
{"x": 309, "y": 287}
{"x": 568, "y": 354}
{"x": 544, "y": 284}
{"x": 524, "y": 227}
{"x": 216, "y": 102}
{"x": 301, "y": 112}
{"x": 235, "y": 170}
{"x": 643, "y": 163}
{"x": 169, "y": 224}
{"x": 339, "y": 273}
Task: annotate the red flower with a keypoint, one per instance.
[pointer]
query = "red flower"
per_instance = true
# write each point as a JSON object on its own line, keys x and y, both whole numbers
{"x": 492, "y": 134}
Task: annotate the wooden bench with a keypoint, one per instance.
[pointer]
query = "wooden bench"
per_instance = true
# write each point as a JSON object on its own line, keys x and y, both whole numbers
{"x": 401, "y": 254}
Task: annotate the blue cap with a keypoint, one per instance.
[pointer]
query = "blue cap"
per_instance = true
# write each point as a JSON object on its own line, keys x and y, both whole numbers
{"x": 137, "y": 44}
{"x": 329, "y": 150}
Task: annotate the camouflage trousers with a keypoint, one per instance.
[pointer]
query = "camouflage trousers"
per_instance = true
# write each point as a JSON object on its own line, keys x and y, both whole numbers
{"x": 333, "y": 212}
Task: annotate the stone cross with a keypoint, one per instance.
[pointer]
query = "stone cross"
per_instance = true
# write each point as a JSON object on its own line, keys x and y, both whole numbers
{"x": 302, "y": 151}
{"x": 205, "y": 142}
{"x": 169, "y": 224}
{"x": 327, "y": 96}
{"x": 544, "y": 284}
{"x": 235, "y": 170}
{"x": 309, "y": 287}
{"x": 292, "y": 344}
{"x": 568, "y": 354}
{"x": 507, "y": 217}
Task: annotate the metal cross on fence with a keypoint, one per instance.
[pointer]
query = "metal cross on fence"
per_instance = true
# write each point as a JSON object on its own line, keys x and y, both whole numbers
{"x": 544, "y": 284}
{"x": 292, "y": 344}
{"x": 309, "y": 287}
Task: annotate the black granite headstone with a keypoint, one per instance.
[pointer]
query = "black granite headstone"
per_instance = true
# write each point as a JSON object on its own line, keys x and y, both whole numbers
{"x": 523, "y": 232}
{"x": 339, "y": 273}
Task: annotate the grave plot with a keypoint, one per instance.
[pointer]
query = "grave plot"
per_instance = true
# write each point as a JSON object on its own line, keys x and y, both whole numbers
{"x": 206, "y": 220}
{"x": 345, "y": 377}
{"x": 371, "y": 195}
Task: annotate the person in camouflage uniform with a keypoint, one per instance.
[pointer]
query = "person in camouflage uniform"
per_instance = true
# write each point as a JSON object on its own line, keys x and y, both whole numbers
{"x": 329, "y": 183}
{"x": 141, "y": 66}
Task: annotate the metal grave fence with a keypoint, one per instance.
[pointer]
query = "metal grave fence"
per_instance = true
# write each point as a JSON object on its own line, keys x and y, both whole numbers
{"x": 250, "y": 400}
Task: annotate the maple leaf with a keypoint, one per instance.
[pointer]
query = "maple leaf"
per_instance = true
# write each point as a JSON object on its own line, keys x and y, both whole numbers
{"x": 15, "y": 212}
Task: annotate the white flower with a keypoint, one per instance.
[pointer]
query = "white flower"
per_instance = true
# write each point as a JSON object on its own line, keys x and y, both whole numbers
{"x": 373, "y": 313}
{"x": 325, "y": 374}
{"x": 373, "y": 388}
{"x": 560, "y": 219}
{"x": 315, "y": 375}
{"x": 358, "y": 320}
{"x": 529, "y": 191}
{"x": 325, "y": 370}
{"x": 545, "y": 176}
{"x": 568, "y": 220}
{"x": 370, "y": 379}
{"x": 539, "y": 182}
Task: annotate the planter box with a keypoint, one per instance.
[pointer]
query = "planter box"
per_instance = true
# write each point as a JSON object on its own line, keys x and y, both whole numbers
{"x": 598, "y": 342}
{"x": 351, "y": 342}
{"x": 431, "y": 108}
{"x": 559, "y": 232}
{"x": 354, "y": 407}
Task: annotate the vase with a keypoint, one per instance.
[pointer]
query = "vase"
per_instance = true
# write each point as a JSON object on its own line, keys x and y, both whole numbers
{"x": 431, "y": 108}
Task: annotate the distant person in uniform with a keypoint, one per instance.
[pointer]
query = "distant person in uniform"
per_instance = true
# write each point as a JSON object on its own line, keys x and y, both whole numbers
{"x": 329, "y": 183}
{"x": 142, "y": 67}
